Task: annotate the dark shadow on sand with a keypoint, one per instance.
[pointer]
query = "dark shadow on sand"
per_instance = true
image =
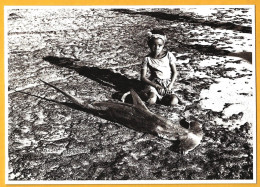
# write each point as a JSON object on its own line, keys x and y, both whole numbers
{"x": 212, "y": 50}
{"x": 105, "y": 77}
{"x": 188, "y": 19}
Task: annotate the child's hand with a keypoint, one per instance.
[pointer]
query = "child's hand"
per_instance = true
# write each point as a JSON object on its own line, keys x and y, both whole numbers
{"x": 158, "y": 87}
{"x": 160, "y": 90}
{"x": 169, "y": 90}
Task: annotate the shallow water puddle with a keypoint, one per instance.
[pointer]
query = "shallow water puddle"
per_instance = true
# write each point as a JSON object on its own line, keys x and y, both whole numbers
{"x": 231, "y": 97}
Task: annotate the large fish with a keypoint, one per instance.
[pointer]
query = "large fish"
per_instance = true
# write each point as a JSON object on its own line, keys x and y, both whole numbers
{"x": 138, "y": 117}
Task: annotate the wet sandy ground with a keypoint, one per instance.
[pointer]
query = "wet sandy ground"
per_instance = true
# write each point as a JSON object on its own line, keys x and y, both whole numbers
{"x": 96, "y": 55}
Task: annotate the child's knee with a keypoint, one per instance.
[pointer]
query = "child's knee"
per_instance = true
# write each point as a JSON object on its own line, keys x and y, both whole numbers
{"x": 174, "y": 100}
{"x": 152, "y": 99}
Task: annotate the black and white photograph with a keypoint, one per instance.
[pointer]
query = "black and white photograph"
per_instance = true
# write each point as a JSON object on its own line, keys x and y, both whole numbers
{"x": 130, "y": 94}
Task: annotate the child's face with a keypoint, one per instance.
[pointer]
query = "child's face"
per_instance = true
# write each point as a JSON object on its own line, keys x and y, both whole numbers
{"x": 156, "y": 46}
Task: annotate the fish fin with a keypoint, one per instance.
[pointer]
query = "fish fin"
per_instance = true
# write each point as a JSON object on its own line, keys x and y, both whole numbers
{"x": 72, "y": 98}
{"x": 124, "y": 96}
{"x": 137, "y": 101}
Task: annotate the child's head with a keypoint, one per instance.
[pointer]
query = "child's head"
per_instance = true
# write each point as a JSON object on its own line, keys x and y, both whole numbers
{"x": 156, "y": 41}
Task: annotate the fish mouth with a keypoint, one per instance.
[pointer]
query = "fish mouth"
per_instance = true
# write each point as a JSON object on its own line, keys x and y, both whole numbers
{"x": 186, "y": 143}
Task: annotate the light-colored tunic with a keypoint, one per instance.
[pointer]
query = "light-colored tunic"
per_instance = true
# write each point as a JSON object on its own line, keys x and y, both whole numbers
{"x": 161, "y": 72}
{"x": 160, "y": 68}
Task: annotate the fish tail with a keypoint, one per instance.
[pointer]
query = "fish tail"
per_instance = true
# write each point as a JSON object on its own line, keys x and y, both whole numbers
{"x": 72, "y": 98}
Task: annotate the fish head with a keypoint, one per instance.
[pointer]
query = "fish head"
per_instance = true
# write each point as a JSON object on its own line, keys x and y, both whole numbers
{"x": 190, "y": 142}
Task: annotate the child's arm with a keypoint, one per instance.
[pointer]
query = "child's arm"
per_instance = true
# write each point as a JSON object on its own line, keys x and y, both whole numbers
{"x": 174, "y": 75}
{"x": 146, "y": 80}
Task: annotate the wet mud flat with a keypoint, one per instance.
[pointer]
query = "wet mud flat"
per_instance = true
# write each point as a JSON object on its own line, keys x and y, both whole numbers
{"x": 96, "y": 54}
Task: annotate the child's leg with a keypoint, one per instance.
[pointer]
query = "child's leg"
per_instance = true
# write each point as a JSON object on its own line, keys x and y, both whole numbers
{"x": 151, "y": 95}
{"x": 152, "y": 98}
{"x": 173, "y": 100}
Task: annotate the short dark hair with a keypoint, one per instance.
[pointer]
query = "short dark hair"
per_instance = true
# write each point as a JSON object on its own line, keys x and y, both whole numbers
{"x": 157, "y": 31}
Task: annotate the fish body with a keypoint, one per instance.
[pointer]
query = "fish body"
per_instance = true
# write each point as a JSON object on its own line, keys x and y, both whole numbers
{"x": 138, "y": 117}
